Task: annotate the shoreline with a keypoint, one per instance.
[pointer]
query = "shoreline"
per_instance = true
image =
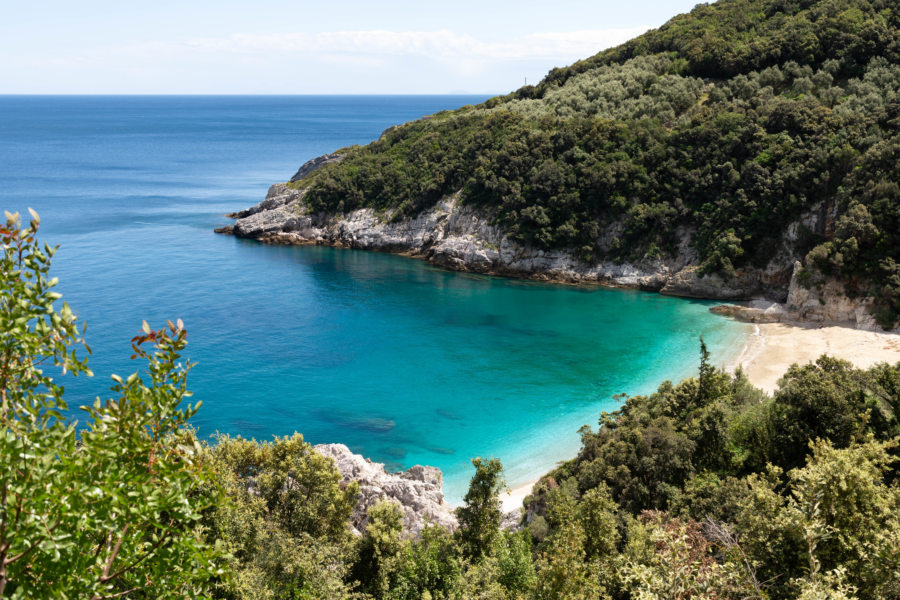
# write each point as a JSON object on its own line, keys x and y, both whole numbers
{"x": 454, "y": 238}
{"x": 511, "y": 498}
{"x": 773, "y": 347}
{"x": 768, "y": 351}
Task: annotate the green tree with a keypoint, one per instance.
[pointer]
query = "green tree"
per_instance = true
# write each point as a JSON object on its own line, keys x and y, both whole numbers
{"x": 376, "y": 563}
{"x": 430, "y": 566}
{"x": 823, "y": 400}
{"x": 597, "y": 514}
{"x": 829, "y": 525}
{"x": 286, "y": 524}
{"x": 479, "y": 517}
{"x": 707, "y": 371}
{"x": 563, "y": 571}
{"x": 682, "y": 566}
{"x": 848, "y": 517}
{"x": 113, "y": 510}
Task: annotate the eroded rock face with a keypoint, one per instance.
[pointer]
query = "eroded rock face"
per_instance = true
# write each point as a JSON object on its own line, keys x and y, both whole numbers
{"x": 315, "y": 164}
{"x": 829, "y": 304}
{"x": 418, "y": 491}
{"x": 690, "y": 282}
{"x": 825, "y": 303}
{"x": 458, "y": 237}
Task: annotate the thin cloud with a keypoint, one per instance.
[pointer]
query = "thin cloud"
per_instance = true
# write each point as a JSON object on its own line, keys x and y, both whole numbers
{"x": 440, "y": 44}
{"x": 370, "y": 61}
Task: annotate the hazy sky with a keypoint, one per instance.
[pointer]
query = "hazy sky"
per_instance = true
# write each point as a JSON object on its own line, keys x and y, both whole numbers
{"x": 299, "y": 47}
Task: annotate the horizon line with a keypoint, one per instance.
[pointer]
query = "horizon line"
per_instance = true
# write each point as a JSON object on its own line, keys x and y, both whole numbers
{"x": 182, "y": 94}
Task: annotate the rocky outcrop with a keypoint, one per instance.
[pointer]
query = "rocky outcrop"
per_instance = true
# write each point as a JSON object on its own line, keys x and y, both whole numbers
{"x": 822, "y": 302}
{"x": 315, "y": 164}
{"x": 691, "y": 283}
{"x": 459, "y": 237}
{"x": 418, "y": 491}
{"x": 760, "y": 311}
{"x": 826, "y": 302}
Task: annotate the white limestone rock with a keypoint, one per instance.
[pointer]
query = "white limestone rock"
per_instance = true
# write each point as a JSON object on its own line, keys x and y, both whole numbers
{"x": 459, "y": 237}
{"x": 418, "y": 491}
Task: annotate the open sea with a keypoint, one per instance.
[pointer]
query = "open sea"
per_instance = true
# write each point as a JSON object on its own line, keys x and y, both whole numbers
{"x": 405, "y": 363}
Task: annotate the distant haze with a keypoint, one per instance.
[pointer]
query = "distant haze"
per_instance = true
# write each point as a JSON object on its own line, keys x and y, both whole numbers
{"x": 298, "y": 47}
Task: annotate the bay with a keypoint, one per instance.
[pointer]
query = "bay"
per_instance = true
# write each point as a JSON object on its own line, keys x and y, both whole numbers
{"x": 402, "y": 362}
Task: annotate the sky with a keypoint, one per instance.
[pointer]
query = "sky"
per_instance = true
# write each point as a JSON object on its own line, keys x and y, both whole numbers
{"x": 302, "y": 47}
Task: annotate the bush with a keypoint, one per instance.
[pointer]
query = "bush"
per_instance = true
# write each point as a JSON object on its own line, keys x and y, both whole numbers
{"x": 111, "y": 509}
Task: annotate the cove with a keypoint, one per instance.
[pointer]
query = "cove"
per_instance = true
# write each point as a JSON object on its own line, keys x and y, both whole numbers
{"x": 405, "y": 363}
{"x": 408, "y": 364}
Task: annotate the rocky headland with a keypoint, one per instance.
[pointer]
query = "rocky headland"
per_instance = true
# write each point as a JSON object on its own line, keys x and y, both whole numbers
{"x": 459, "y": 237}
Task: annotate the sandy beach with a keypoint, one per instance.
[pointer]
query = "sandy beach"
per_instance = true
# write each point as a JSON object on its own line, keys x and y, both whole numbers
{"x": 773, "y": 347}
{"x": 511, "y": 499}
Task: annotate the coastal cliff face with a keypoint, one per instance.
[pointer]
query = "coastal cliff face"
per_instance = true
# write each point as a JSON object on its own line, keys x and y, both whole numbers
{"x": 461, "y": 238}
{"x": 458, "y": 237}
{"x": 824, "y": 302}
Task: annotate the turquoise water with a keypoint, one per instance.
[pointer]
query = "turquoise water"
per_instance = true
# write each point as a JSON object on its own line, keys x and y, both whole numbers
{"x": 402, "y": 362}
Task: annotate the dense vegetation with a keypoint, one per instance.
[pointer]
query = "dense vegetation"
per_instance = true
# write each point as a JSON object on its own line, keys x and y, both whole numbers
{"x": 726, "y": 124}
{"x": 708, "y": 489}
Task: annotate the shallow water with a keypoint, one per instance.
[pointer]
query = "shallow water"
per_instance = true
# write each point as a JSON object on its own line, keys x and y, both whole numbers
{"x": 401, "y": 361}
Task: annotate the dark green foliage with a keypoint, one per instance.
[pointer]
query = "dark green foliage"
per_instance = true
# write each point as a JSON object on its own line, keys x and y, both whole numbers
{"x": 286, "y": 522}
{"x": 708, "y": 488}
{"x": 515, "y": 562}
{"x": 707, "y": 495}
{"x": 376, "y": 557}
{"x": 727, "y": 123}
{"x": 705, "y": 489}
{"x": 647, "y": 449}
{"x": 716, "y": 450}
{"x": 829, "y": 400}
{"x": 479, "y": 517}
{"x": 429, "y": 566}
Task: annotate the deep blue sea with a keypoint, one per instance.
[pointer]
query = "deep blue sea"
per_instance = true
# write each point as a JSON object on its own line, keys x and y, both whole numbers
{"x": 402, "y": 362}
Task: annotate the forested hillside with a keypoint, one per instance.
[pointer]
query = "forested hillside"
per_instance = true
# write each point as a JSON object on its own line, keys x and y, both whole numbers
{"x": 727, "y": 124}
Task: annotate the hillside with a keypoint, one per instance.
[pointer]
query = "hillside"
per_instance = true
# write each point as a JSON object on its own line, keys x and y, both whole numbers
{"x": 750, "y": 133}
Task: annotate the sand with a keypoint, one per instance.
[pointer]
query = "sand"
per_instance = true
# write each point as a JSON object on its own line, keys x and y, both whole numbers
{"x": 512, "y": 498}
{"x": 773, "y": 347}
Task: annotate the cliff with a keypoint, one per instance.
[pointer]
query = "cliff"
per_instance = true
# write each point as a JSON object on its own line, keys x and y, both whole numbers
{"x": 701, "y": 159}
{"x": 700, "y": 147}
{"x": 825, "y": 302}
{"x": 418, "y": 491}
{"x": 464, "y": 238}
